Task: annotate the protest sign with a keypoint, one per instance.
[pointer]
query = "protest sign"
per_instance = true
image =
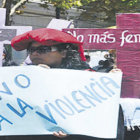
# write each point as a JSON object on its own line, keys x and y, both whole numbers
{"x": 35, "y": 100}
{"x": 59, "y": 24}
{"x": 9, "y": 32}
{"x": 6, "y": 35}
{"x": 128, "y": 20}
{"x": 126, "y": 43}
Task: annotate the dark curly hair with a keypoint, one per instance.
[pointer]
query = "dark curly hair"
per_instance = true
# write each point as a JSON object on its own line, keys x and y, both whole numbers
{"x": 72, "y": 59}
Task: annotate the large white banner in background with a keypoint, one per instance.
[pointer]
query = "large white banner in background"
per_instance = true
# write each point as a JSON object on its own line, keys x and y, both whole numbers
{"x": 35, "y": 100}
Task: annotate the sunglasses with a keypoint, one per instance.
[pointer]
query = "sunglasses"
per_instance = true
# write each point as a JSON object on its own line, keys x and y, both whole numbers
{"x": 41, "y": 49}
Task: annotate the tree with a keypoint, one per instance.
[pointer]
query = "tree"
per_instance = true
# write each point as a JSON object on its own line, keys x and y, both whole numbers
{"x": 7, "y": 5}
{"x": 17, "y": 4}
{"x": 63, "y": 5}
{"x": 11, "y": 6}
{"x": 109, "y": 8}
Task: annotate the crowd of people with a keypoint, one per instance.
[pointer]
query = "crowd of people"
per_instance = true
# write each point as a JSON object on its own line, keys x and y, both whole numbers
{"x": 105, "y": 65}
{"x": 55, "y": 49}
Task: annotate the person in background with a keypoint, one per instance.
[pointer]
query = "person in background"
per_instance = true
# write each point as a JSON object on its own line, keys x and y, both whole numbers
{"x": 107, "y": 65}
{"x": 53, "y": 49}
{"x": 104, "y": 66}
{"x": 87, "y": 58}
{"x": 6, "y": 60}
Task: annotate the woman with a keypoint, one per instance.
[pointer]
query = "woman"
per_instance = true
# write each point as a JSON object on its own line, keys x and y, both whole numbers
{"x": 53, "y": 49}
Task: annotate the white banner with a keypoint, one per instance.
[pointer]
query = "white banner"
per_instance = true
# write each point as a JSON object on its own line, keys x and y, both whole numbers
{"x": 35, "y": 100}
{"x": 7, "y": 33}
{"x": 59, "y": 24}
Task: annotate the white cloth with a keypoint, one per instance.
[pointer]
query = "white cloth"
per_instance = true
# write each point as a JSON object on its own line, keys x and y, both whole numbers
{"x": 27, "y": 61}
{"x": 131, "y": 110}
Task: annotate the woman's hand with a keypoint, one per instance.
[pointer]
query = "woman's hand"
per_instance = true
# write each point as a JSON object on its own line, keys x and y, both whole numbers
{"x": 44, "y": 66}
{"x": 60, "y": 134}
{"x": 115, "y": 70}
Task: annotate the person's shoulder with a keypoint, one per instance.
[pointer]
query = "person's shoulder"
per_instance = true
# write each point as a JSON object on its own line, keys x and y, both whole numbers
{"x": 90, "y": 70}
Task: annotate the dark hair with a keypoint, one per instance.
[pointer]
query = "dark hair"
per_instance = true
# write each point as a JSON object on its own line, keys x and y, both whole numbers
{"x": 104, "y": 66}
{"x": 87, "y": 56}
{"x": 7, "y": 60}
{"x": 72, "y": 59}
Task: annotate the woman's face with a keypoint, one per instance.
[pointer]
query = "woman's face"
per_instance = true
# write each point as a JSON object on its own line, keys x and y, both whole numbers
{"x": 42, "y": 55}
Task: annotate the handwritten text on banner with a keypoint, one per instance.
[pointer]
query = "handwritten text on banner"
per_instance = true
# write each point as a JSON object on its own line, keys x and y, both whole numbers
{"x": 35, "y": 100}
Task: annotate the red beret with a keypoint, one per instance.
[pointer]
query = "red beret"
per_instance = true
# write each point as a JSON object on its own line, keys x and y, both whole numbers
{"x": 45, "y": 36}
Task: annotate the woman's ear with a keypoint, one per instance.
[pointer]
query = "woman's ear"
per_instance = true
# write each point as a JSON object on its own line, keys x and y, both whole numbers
{"x": 64, "y": 53}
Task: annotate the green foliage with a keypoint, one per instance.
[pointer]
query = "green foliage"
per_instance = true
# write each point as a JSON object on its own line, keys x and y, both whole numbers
{"x": 15, "y": 1}
{"x": 110, "y": 8}
{"x": 67, "y": 4}
{"x": 63, "y": 5}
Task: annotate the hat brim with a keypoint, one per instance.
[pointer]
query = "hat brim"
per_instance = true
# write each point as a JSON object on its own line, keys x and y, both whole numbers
{"x": 47, "y": 37}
